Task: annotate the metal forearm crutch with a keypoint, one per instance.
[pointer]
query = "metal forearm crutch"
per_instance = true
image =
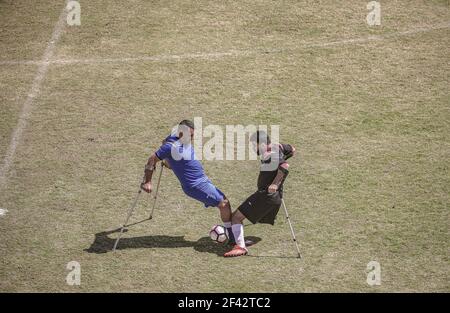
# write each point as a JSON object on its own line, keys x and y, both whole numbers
{"x": 290, "y": 226}
{"x": 133, "y": 206}
{"x": 130, "y": 212}
{"x": 156, "y": 192}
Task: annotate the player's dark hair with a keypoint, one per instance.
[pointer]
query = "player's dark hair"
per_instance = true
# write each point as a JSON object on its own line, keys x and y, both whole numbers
{"x": 187, "y": 123}
{"x": 259, "y": 136}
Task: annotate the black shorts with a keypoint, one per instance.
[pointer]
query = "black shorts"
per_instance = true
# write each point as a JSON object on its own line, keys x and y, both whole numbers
{"x": 261, "y": 207}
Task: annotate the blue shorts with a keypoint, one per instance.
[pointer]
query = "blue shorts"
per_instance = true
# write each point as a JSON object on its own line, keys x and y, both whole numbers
{"x": 205, "y": 192}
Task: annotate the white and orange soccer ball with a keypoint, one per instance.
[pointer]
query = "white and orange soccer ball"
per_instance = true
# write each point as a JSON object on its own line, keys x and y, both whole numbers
{"x": 218, "y": 234}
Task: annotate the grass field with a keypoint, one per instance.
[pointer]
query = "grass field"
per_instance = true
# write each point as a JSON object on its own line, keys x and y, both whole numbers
{"x": 368, "y": 109}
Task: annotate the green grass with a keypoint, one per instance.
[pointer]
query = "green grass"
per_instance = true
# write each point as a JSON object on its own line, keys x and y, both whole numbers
{"x": 370, "y": 121}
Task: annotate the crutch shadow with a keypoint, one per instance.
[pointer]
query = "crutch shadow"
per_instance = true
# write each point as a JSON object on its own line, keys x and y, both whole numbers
{"x": 104, "y": 244}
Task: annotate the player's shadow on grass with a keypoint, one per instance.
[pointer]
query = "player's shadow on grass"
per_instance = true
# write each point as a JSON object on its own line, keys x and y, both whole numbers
{"x": 103, "y": 243}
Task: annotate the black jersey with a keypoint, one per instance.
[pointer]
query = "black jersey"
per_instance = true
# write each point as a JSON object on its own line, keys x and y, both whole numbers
{"x": 278, "y": 154}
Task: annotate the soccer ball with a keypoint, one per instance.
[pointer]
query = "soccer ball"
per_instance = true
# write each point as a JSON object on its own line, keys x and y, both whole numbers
{"x": 218, "y": 234}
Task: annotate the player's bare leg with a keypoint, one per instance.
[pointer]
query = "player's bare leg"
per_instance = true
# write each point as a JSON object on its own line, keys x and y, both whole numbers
{"x": 237, "y": 217}
{"x": 225, "y": 210}
{"x": 225, "y": 214}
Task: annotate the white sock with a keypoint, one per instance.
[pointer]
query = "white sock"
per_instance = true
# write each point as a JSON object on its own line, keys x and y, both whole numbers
{"x": 238, "y": 232}
{"x": 227, "y": 224}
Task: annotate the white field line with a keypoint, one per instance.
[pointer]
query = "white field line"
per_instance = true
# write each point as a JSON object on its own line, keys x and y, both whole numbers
{"x": 231, "y": 53}
{"x": 34, "y": 92}
{"x": 3, "y": 212}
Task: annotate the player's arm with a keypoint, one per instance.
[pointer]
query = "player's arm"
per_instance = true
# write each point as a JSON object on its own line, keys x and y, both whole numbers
{"x": 163, "y": 152}
{"x": 148, "y": 172}
{"x": 150, "y": 167}
{"x": 288, "y": 150}
{"x": 278, "y": 180}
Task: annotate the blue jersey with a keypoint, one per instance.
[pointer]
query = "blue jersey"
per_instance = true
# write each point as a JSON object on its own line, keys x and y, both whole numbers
{"x": 182, "y": 160}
